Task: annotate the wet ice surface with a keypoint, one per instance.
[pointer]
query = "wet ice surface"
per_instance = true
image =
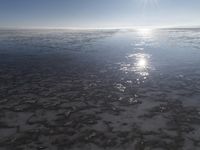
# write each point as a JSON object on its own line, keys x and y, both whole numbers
{"x": 98, "y": 90}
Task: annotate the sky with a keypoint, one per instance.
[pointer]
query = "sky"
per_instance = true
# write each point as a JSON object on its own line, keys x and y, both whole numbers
{"x": 98, "y": 13}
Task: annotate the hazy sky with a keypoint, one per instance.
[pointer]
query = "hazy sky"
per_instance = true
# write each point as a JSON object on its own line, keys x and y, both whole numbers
{"x": 98, "y": 13}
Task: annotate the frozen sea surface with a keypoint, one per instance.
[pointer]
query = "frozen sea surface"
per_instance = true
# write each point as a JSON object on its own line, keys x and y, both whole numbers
{"x": 100, "y": 89}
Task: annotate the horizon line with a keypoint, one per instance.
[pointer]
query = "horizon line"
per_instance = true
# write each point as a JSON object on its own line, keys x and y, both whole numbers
{"x": 97, "y": 28}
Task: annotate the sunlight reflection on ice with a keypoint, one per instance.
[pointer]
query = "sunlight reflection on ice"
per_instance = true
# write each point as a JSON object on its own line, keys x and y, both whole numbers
{"x": 142, "y": 63}
{"x": 138, "y": 63}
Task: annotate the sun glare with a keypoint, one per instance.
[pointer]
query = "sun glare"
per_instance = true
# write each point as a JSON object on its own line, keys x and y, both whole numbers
{"x": 144, "y": 31}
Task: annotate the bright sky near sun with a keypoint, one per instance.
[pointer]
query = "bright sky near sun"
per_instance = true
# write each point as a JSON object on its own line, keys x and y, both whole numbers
{"x": 98, "y": 13}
